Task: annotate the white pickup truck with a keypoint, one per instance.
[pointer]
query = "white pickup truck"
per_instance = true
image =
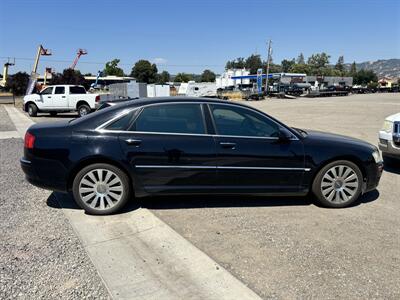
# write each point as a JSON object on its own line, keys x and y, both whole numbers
{"x": 389, "y": 137}
{"x": 61, "y": 98}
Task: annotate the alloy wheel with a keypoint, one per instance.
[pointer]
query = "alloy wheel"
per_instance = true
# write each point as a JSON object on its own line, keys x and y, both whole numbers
{"x": 83, "y": 111}
{"x": 339, "y": 184}
{"x": 101, "y": 189}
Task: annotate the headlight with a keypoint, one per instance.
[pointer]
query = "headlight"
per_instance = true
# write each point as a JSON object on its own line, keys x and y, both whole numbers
{"x": 377, "y": 156}
{"x": 388, "y": 126}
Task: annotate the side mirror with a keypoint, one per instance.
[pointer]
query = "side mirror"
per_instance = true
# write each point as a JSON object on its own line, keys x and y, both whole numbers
{"x": 284, "y": 134}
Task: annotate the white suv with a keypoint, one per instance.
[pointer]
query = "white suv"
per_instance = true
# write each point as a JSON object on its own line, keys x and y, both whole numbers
{"x": 389, "y": 137}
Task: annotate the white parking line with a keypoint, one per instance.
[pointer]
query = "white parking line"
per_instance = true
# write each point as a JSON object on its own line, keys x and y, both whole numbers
{"x": 138, "y": 256}
{"x": 9, "y": 134}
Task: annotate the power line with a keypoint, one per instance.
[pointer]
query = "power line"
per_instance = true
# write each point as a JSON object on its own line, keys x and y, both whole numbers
{"x": 121, "y": 64}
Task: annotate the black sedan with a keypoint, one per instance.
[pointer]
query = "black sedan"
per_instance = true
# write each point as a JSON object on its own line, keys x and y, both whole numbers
{"x": 193, "y": 146}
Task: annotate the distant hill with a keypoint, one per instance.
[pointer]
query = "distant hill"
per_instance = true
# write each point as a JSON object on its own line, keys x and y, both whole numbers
{"x": 382, "y": 67}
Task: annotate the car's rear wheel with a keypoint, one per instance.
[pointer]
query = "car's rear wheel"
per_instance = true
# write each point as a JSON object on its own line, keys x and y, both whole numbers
{"x": 32, "y": 110}
{"x": 101, "y": 189}
{"x": 83, "y": 110}
{"x": 338, "y": 184}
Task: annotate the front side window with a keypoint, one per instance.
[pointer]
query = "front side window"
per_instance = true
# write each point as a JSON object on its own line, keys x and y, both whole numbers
{"x": 171, "y": 118}
{"x": 77, "y": 90}
{"x": 59, "y": 90}
{"x": 47, "y": 91}
{"x": 237, "y": 121}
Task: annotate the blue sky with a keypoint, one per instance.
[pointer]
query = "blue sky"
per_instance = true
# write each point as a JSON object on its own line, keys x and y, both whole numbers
{"x": 192, "y": 35}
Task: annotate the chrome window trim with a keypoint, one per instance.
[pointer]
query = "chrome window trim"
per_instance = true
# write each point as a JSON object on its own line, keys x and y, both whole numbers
{"x": 186, "y": 134}
{"x": 220, "y": 167}
{"x": 126, "y": 111}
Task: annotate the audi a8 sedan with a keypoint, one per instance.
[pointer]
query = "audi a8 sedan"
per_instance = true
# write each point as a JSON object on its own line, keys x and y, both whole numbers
{"x": 177, "y": 145}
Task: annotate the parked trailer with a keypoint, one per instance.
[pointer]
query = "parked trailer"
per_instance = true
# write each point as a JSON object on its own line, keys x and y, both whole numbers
{"x": 326, "y": 93}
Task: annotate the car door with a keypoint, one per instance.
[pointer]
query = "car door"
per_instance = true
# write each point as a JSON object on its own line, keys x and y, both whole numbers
{"x": 251, "y": 157}
{"x": 170, "y": 149}
{"x": 59, "y": 98}
{"x": 46, "y": 98}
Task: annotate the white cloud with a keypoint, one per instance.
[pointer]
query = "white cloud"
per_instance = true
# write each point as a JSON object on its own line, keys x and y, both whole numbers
{"x": 159, "y": 61}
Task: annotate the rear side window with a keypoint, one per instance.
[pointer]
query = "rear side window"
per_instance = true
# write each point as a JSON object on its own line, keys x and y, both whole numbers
{"x": 171, "y": 118}
{"x": 77, "y": 90}
{"x": 60, "y": 90}
{"x": 123, "y": 122}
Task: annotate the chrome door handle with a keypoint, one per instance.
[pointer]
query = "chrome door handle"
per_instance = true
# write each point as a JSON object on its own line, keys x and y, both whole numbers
{"x": 133, "y": 142}
{"x": 228, "y": 145}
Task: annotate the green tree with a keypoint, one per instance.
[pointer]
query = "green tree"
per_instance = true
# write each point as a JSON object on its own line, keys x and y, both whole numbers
{"x": 144, "y": 71}
{"x": 69, "y": 76}
{"x": 300, "y": 59}
{"x": 17, "y": 83}
{"x": 163, "y": 77}
{"x": 238, "y": 63}
{"x": 318, "y": 63}
{"x": 365, "y": 77}
{"x": 300, "y": 68}
{"x": 353, "y": 69}
{"x": 253, "y": 63}
{"x": 207, "y": 76}
{"x": 340, "y": 66}
{"x": 287, "y": 64}
{"x": 112, "y": 68}
{"x": 182, "y": 77}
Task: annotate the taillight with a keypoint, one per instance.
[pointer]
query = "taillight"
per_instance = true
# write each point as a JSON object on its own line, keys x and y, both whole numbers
{"x": 29, "y": 140}
{"x": 97, "y": 99}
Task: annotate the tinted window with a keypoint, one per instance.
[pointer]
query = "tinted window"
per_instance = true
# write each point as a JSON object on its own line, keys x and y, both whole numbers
{"x": 77, "y": 90}
{"x": 60, "y": 90}
{"x": 174, "y": 118}
{"x": 122, "y": 123}
{"x": 239, "y": 121}
{"x": 47, "y": 91}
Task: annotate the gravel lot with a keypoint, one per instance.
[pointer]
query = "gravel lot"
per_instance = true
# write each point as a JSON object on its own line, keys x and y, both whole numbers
{"x": 5, "y": 122}
{"x": 289, "y": 248}
{"x": 40, "y": 255}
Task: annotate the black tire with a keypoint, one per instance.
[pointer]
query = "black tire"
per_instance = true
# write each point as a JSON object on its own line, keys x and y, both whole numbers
{"x": 93, "y": 206}
{"x": 53, "y": 113}
{"x": 355, "y": 191}
{"x": 83, "y": 110}
{"x": 32, "y": 110}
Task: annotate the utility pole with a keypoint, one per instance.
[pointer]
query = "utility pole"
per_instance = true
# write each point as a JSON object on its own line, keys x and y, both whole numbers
{"x": 268, "y": 60}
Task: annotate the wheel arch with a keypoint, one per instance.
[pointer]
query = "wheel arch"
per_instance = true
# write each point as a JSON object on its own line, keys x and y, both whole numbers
{"x": 96, "y": 160}
{"x": 81, "y": 102}
{"x": 351, "y": 158}
{"x": 28, "y": 103}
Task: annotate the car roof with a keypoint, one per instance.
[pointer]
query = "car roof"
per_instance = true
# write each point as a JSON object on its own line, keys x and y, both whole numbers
{"x": 146, "y": 101}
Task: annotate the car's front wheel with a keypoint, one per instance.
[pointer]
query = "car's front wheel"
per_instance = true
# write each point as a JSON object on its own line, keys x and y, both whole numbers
{"x": 101, "y": 189}
{"x": 32, "y": 110}
{"x": 338, "y": 184}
